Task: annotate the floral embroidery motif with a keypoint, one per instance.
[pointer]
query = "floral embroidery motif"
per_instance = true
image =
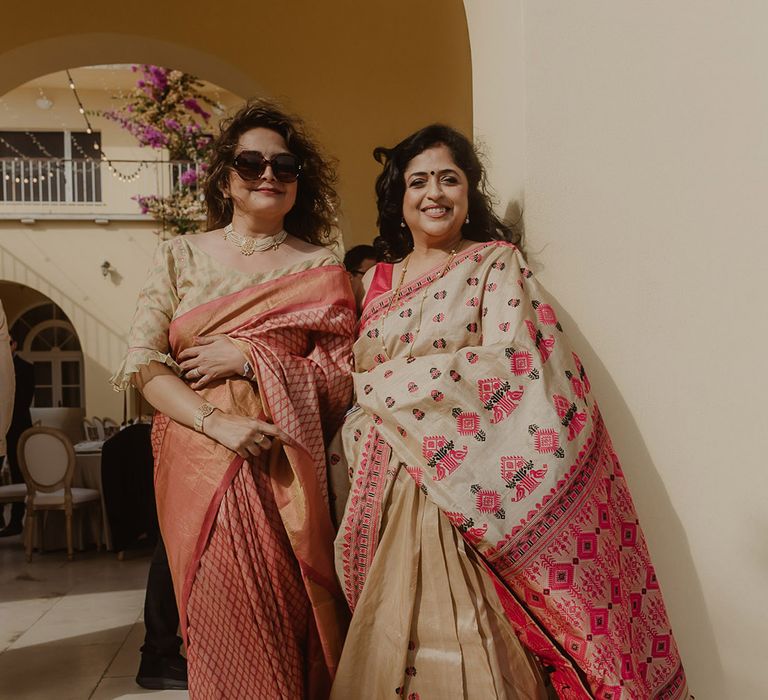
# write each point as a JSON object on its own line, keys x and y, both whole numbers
{"x": 442, "y": 455}
{"x": 498, "y": 397}
{"x": 571, "y": 418}
{"x": 466, "y": 526}
{"x": 521, "y": 476}
{"x": 520, "y": 361}
{"x": 546, "y": 440}
{"x": 488, "y": 501}
{"x": 582, "y": 373}
{"x": 543, "y": 345}
{"x": 546, "y": 314}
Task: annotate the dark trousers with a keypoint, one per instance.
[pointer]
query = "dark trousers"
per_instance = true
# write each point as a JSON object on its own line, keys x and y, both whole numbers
{"x": 161, "y": 616}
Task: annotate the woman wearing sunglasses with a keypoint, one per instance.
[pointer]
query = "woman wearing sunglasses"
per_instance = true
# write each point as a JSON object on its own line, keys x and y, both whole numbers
{"x": 241, "y": 340}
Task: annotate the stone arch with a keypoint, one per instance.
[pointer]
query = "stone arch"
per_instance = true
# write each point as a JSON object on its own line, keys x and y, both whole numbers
{"x": 361, "y": 78}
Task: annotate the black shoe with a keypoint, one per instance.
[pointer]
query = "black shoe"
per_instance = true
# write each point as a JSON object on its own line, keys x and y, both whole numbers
{"x": 162, "y": 672}
{"x": 11, "y": 530}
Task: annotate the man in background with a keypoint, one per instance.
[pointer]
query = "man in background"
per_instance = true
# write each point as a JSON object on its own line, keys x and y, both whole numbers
{"x": 358, "y": 261}
{"x": 21, "y": 419}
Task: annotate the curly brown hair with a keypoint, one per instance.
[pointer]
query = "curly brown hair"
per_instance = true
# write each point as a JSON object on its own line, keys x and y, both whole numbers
{"x": 313, "y": 216}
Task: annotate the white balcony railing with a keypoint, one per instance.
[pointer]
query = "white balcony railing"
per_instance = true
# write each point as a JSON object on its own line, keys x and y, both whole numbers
{"x": 49, "y": 180}
{"x": 52, "y": 181}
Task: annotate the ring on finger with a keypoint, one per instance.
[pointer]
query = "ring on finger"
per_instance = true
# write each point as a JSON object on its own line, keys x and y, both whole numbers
{"x": 259, "y": 437}
{"x": 194, "y": 373}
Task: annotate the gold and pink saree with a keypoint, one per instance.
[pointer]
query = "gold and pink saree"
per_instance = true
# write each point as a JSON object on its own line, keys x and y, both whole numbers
{"x": 485, "y": 497}
{"x": 250, "y": 543}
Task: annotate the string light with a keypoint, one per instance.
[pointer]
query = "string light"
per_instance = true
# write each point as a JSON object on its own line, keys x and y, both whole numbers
{"x": 123, "y": 177}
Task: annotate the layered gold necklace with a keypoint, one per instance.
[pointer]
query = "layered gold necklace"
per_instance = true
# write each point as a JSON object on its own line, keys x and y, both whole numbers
{"x": 396, "y": 297}
{"x": 249, "y": 245}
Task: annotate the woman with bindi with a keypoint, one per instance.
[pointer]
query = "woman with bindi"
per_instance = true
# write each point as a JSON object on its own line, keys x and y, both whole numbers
{"x": 489, "y": 547}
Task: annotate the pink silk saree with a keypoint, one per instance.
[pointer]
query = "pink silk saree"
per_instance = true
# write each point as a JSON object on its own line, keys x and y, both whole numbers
{"x": 299, "y": 328}
{"x": 493, "y": 418}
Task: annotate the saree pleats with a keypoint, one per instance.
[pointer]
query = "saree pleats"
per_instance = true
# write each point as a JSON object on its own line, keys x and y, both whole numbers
{"x": 248, "y": 611}
{"x": 428, "y": 623}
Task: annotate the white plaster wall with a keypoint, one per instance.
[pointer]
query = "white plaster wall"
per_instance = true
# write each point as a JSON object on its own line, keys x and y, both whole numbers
{"x": 62, "y": 260}
{"x": 498, "y": 97}
{"x": 645, "y": 170}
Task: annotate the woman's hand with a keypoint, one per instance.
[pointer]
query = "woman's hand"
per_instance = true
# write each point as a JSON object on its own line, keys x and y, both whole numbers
{"x": 248, "y": 437}
{"x": 212, "y": 357}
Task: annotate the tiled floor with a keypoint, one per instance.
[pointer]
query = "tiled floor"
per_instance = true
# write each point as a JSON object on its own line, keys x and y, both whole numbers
{"x": 71, "y": 630}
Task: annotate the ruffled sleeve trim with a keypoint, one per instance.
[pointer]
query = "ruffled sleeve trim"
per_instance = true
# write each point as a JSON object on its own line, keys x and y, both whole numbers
{"x": 134, "y": 361}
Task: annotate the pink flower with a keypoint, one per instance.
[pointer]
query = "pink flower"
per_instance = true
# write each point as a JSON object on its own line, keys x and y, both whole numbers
{"x": 189, "y": 178}
{"x": 194, "y": 106}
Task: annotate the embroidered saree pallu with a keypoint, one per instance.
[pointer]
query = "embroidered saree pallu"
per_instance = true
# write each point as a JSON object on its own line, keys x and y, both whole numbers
{"x": 250, "y": 542}
{"x": 490, "y": 413}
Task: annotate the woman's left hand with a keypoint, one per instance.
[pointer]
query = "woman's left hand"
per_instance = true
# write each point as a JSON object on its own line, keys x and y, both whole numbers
{"x": 212, "y": 357}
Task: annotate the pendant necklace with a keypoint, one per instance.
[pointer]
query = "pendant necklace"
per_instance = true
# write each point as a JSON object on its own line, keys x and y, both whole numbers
{"x": 396, "y": 297}
{"x": 249, "y": 245}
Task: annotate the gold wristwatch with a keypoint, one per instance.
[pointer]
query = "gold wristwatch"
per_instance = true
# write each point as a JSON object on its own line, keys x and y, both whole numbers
{"x": 203, "y": 411}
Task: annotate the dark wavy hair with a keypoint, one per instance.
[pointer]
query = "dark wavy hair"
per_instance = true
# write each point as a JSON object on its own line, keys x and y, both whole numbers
{"x": 313, "y": 216}
{"x": 395, "y": 242}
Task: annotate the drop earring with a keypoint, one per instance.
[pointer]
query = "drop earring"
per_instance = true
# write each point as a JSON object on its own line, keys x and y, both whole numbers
{"x": 402, "y": 223}
{"x": 466, "y": 221}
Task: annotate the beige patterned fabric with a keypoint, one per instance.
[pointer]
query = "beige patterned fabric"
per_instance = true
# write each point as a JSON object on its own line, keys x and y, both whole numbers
{"x": 181, "y": 277}
{"x": 429, "y": 624}
{"x": 467, "y": 384}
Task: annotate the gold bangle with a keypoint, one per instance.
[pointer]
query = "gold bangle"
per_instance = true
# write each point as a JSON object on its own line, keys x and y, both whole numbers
{"x": 201, "y": 413}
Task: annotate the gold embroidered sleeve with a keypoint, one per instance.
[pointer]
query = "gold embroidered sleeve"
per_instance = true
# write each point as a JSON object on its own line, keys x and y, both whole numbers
{"x": 148, "y": 337}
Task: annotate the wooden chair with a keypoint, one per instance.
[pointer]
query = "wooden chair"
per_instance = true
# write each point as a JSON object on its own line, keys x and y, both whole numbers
{"x": 99, "y": 427}
{"x": 90, "y": 430}
{"x": 47, "y": 461}
{"x": 110, "y": 427}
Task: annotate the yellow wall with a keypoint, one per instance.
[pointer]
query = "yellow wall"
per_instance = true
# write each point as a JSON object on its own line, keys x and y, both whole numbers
{"x": 361, "y": 74}
{"x": 645, "y": 167}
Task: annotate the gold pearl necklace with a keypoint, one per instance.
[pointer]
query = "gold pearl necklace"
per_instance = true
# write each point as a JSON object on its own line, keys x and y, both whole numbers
{"x": 396, "y": 297}
{"x": 249, "y": 245}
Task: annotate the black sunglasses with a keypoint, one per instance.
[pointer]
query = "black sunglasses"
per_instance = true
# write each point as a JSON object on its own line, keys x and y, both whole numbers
{"x": 250, "y": 165}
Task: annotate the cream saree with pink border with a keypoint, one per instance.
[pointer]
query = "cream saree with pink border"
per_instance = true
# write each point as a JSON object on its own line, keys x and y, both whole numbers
{"x": 488, "y": 531}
